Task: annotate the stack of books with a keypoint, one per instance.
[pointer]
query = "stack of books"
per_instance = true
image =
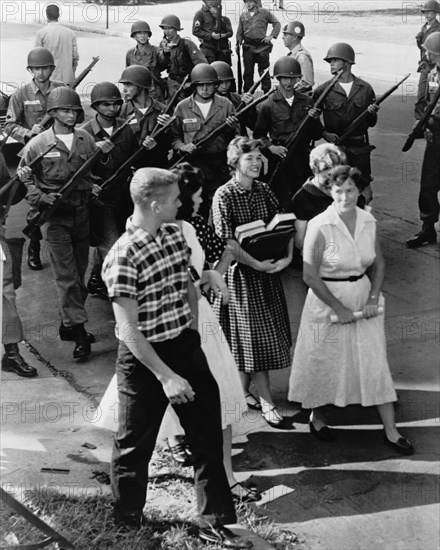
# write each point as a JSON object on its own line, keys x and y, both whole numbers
{"x": 267, "y": 242}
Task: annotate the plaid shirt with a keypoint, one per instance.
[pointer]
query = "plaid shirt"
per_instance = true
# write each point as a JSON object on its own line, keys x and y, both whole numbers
{"x": 153, "y": 274}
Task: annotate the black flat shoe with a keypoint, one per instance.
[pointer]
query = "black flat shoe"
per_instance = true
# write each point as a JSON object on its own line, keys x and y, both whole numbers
{"x": 402, "y": 445}
{"x": 222, "y": 535}
{"x": 324, "y": 434}
{"x": 242, "y": 493}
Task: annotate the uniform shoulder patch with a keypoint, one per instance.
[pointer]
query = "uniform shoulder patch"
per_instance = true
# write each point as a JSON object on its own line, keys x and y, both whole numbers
{"x": 197, "y": 23}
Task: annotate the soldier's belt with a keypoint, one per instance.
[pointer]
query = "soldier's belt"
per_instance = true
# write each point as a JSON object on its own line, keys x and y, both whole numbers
{"x": 253, "y": 41}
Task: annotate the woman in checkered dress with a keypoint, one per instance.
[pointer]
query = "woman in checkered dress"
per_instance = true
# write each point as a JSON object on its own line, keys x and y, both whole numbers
{"x": 255, "y": 321}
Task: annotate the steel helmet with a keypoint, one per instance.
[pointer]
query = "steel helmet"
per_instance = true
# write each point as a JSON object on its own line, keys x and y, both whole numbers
{"x": 340, "y": 50}
{"x": 296, "y": 28}
{"x": 105, "y": 91}
{"x": 286, "y": 66}
{"x": 223, "y": 70}
{"x": 140, "y": 26}
{"x": 40, "y": 57}
{"x": 432, "y": 43}
{"x": 171, "y": 21}
{"x": 431, "y": 5}
{"x": 137, "y": 75}
{"x": 203, "y": 73}
{"x": 64, "y": 97}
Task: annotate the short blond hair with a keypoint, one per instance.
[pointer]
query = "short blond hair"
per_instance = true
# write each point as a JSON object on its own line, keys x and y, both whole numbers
{"x": 149, "y": 184}
{"x": 325, "y": 156}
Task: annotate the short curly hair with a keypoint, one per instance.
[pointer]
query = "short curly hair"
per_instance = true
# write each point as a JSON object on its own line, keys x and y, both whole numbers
{"x": 240, "y": 145}
{"x": 325, "y": 156}
{"x": 190, "y": 180}
{"x": 342, "y": 173}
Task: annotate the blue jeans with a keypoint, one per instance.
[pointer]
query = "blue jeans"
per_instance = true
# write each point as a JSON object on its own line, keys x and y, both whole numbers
{"x": 67, "y": 237}
{"x": 142, "y": 404}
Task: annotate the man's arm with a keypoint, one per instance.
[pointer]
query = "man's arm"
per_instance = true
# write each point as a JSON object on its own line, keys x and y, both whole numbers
{"x": 176, "y": 388}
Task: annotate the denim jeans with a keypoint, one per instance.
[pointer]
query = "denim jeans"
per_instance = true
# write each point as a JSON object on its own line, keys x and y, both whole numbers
{"x": 142, "y": 404}
{"x": 67, "y": 237}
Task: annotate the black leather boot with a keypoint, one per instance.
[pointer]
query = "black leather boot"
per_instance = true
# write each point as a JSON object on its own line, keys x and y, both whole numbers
{"x": 82, "y": 345}
{"x": 12, "y": 361}
{"x": 33, "y": 259}
{"x": 68, "y": 334}
{"x": 428, "y": 235}
{"x": 96, "y": 287}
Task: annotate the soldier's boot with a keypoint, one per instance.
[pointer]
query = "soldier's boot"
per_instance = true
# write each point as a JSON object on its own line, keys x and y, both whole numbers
{"x": 33, "y": 260}
{"x": 428, "y": 235}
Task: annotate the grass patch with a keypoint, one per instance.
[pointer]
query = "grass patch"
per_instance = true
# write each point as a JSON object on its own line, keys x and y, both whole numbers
{"x": 170, "y": 510}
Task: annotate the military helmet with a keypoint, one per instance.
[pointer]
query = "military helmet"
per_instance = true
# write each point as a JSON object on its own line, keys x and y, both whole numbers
{"x": 203, "y": 73}
{"x": 140, "y": 26}
{"x": 340, "y": 50}
{"x": 40, "y": 57}
{"x": 64, "y": 97}
{"x": 432, "y": 43}
{"x": 286, "y": 66}
{"x": 296, "y": 28}
{"x": 105, "y": 91}
{"x": 223, "y": 70}
{"x": 137, "y": 75}
{"x": 430, "y": 5}
{"x": 171, "y": 21}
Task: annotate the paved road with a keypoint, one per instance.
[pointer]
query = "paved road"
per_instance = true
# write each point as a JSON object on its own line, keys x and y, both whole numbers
{"x": 354, "y": 494}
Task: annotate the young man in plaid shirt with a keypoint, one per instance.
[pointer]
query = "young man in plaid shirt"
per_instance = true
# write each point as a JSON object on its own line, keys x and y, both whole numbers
{"x": 160, "y": 360}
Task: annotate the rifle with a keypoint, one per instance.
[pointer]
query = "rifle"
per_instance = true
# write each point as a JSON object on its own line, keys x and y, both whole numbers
{"x": 67, "y": 189}
{"x": 239, "y": 70}
{"x": 358, "y": 120}
{"x": 13, "y": 184}
{"x": 252, "y": 90}
{"x": 213, "y": 134}
{"x": 294, "y": 137}
{"x": 108, "y": 184}
{"x": 47, "y": 120}
{"x": 418, "y": 128}
{"x": 5, "y": 139}
{"x": 172, "y": 103}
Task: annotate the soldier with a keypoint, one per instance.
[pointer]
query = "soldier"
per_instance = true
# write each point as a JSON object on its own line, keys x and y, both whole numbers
{"x": 67, "y": 230}
{"x": 146, "y": 54}
{"x": 430, "y": 9}
{"x": 26, "y": 109}
{"x": 214, "y": 45}
{"x": 350, "y": 97}
{"x": 106, "y": 101}
{"x": 177, "y": 55}
{"x": 196, "y": 116}
{"x": 279, "y": 117}
{"x": 430, "y": 179}
{"x": 293, "y": 33}
{"x": 251, "y": 33}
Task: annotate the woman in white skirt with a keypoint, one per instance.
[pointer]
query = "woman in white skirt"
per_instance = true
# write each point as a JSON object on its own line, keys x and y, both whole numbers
{"x": 344, "y": 363}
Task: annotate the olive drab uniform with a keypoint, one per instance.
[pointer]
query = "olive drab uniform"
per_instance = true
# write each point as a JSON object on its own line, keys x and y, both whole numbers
{"x": 339, "y": 111}
{"x": 424, "y": 66}
{"x": 278, "y": 120}
{"x": 305, "y": 60}
{"x": 191, "y": 126}
{"x": 149, "y": 58}
{"x": 27, "y": 106}
{"x": 250, "y": 33}
{"x": 179, "y": 61}
{"x": 204, "y": 24}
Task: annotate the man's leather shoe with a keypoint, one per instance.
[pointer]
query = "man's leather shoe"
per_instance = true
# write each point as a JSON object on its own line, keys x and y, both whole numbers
{"x": 224, "y": 536}
{"x": 33, "y": 260}
{"x": 402, "y": 445}
{"x": 67, "y": 334}
{"x": 82, "y": 345}
{"x": 96, "y": 287}
{"x": 12, "y": 361}
{"x": 427, "y": 235}
{"x": 324, "y": 434}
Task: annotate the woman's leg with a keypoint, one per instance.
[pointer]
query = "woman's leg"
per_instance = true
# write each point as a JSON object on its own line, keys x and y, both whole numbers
{"x": 317, "y": 418}
{"x": 386, "y": 412}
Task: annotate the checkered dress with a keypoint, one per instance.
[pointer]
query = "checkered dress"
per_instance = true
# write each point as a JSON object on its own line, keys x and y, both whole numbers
{"x": 255, "y": 321}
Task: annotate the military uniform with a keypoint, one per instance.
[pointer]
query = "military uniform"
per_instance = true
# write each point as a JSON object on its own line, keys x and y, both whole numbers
{"x": 204, "y": 24}
{"x": 339, "y": 111}
{"x": 149, "y": 58}
{"x": 279, "y": 120}
{"x": 67, "y": 231}
{"x": 424, "y": 67}
{"x": 27, "y": 106}
{"x": 250, "y": 32}
{"x": 191, "y": 126}
{"x": 305, "y": 60}
{"x": 179, "y": 61}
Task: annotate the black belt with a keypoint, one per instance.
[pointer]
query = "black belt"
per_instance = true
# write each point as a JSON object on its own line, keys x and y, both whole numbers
{"x": 356, "y": 141}
{"x": 253, "y": 41}
{"x": 351, "y": 279}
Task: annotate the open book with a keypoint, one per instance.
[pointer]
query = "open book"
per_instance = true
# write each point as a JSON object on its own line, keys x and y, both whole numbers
{"x": 265, "y": 242}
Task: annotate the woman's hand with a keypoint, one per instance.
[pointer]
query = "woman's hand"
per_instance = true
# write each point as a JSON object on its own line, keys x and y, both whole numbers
{"x": 345, "y": 315}
{"x": 212, "y": 280}
{"x": 371, "y": 308}
{"x": 279, "y": 265}
{"x": 265, "y": 266}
